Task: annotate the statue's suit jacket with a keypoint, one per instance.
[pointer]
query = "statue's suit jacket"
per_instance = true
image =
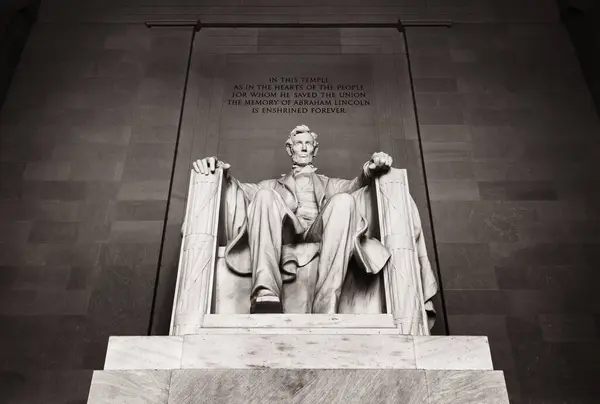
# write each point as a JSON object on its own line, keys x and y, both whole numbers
{"x": 369, "y": 253}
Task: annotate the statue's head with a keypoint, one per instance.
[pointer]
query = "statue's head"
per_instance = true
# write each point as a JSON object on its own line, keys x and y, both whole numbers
{"x": 302, "y": 145}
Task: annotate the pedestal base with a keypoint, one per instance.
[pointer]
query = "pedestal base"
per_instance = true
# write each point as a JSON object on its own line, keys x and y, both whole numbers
{"x": 298, "y": 359}
{"x": 306, "y": 386}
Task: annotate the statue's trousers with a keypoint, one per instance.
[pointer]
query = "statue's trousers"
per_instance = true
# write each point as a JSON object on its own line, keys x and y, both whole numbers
{"x": 269, "y": 219}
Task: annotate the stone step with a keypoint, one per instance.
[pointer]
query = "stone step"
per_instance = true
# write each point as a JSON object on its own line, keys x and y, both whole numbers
{"x": 305, "y": 350}
{"x": 298, "y": 386}
{"x": 287, "y": 330}
{"x": 298, "y": 320}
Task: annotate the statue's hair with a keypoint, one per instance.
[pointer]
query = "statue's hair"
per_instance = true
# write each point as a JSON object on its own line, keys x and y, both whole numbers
{"x": 301, "y": 129}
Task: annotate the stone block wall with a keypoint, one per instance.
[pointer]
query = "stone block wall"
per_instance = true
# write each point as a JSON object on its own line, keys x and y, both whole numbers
{"x": 511, "y": 146}
{"x": 88, "y": 134}
{"x": 510, "y": 142}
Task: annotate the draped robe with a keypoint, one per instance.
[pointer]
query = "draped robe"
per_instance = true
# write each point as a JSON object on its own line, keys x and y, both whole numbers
{"x": 369, "y": 253}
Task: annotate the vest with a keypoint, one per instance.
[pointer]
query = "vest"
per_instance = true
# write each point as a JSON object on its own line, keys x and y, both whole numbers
{"x": 307, "y": 210}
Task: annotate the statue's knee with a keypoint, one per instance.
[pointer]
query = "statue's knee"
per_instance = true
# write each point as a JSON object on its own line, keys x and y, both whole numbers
{"x": 343, "y": 200}
{"x": 264, "y": 196}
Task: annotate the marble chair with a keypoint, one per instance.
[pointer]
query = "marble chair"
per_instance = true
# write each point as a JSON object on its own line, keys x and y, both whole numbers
{"x": 206, "y": 285}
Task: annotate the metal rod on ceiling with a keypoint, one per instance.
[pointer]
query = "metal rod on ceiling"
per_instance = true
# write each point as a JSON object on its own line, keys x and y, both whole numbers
{"x": 198, "y": 25}
{"x": 174, "y": 24}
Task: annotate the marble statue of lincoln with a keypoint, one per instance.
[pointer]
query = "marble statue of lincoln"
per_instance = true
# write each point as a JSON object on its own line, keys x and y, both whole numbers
{"x": 302, "y": 207}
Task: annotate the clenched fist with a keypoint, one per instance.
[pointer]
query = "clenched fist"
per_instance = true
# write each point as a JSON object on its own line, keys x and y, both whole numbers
{"x": 208, "y": 165}
{"x": 379, "y": 163}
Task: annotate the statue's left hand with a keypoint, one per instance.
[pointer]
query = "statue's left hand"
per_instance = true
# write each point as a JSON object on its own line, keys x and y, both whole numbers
{"x": 208, "y": 165}
{"x": 380, "y": 162}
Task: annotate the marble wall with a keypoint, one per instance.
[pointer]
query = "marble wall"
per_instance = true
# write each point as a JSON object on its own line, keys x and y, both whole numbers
{"x": 510, "y": 143}
{"x": 511, "y": 148}
{"x": 88, "y": 134}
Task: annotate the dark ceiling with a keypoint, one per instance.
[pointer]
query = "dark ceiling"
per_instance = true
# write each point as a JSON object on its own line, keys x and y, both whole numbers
{"x": 581, "y": 18}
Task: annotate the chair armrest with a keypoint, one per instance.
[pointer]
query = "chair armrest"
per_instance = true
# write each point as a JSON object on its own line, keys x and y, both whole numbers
{"x": 198, "y": 255}
{"x": 402, "y": 275}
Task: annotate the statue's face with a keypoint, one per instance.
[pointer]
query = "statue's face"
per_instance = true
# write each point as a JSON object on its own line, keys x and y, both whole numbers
{"x": 303, "y": 149}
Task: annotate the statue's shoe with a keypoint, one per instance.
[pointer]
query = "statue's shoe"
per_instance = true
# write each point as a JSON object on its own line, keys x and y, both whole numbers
{"x": 267, "y": 303}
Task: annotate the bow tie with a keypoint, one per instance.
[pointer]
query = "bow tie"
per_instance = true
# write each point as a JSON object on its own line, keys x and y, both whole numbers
{"x": 296, "y": 169}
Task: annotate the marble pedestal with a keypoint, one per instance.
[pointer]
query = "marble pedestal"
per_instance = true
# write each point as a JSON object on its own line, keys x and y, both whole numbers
{"x": 298, "y": 359}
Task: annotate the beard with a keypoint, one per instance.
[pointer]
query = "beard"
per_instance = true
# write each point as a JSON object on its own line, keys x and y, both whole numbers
{"x": 302, "y": 160}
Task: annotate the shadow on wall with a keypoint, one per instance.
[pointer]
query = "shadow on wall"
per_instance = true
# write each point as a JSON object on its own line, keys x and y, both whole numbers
{"x": 16, "y": 19}
{"x": 582, "y": 20}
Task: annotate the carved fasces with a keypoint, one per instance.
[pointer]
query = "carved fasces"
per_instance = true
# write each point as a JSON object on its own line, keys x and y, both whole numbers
{"x": 193, "y": 293}
{"x": 402, "y": 274}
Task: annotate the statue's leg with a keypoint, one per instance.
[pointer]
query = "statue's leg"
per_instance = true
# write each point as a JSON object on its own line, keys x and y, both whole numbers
{"x": 265, "y": 233}
{"x": 336, "y": 225}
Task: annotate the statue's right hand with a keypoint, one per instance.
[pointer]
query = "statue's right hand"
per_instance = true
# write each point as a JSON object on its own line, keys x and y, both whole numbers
{"x": 208, "y": 165}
